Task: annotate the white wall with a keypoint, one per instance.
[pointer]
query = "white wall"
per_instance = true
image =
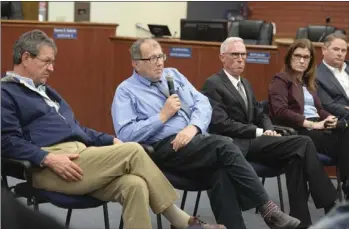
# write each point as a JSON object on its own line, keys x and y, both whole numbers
{"x": 127, "y": 14}
{"x": 61, "y": 11}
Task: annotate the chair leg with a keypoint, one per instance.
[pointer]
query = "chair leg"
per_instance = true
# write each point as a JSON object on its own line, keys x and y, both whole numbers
{"x": 184, "y": 199}
{"x": 67, "y": 221}
{"x": 35, "y": 204}
{"x": 339, "y": 185}
{"x": 106, "y": 216}
{"x": 158, "y": 218}
{"x": 280, "y": 194}
{"x": 197, "y": 203}
{"x": 263, "y": 182}
{"x": 121, "y": 225}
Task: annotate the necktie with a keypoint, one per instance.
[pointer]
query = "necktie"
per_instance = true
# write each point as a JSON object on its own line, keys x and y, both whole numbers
{"x": 242, "y": 94}
{"x": 165, "y": 91}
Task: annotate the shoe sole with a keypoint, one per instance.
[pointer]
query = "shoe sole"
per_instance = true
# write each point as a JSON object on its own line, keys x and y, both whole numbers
{"x": 290, "y": 225}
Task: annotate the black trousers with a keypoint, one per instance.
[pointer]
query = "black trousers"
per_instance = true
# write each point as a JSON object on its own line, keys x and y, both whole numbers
{"x": 334, "y": 143}
{"x": 238, "y": 186}
{"x": 304, "y": 172}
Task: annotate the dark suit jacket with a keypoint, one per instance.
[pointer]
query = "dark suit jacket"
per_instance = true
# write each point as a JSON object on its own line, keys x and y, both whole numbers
{"x": 286, "y": 102}
{"x": 331, "y": 93}
{"x": 230, "y": 117}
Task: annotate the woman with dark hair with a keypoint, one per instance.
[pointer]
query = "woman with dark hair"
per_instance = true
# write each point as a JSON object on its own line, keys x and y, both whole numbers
{"x": 293, "y": 102}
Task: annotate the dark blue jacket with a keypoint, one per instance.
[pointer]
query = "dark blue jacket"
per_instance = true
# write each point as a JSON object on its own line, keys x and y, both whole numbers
{"x": 28, "y": 123}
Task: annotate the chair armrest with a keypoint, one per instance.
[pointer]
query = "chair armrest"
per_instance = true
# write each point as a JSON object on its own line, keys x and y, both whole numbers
{"x": 21, "y": 169}
{"x": 149, "y": 149}
{"x": 25, "y": 164}
{"x": 285, "y": 131}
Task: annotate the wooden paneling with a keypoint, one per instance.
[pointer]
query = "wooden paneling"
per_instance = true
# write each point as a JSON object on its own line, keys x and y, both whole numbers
{"x": 289, "y": 16}
{"x": 203, "y": 63}
{"x": 82, "y": 66}
{"x": 30, "y": 10}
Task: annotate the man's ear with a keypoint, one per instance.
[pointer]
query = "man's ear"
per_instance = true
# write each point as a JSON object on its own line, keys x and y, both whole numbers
{"x": 25, "y": 57}
{"x": 135, "y": 64}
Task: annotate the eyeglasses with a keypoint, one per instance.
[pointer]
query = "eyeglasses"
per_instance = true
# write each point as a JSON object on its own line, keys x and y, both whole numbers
{"x": 236, "y": 55}
{"x": 155, "y": 59}
{"x": 47, "y": 62}
{"x": 299, "y": 57}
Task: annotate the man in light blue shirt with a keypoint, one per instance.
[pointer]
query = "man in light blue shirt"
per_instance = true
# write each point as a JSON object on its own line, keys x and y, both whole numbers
{"x": 174, "y": 121}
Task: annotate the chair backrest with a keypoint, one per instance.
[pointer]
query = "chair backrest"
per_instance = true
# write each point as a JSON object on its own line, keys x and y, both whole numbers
{"x": 256, "y": 32}
{"x": 316, "y": 33}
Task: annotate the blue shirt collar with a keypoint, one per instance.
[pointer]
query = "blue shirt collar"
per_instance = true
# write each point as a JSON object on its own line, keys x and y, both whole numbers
{"x": 19, "y": 77}
{"x": 26, "y": 80}
{"x": 144, "y": 80}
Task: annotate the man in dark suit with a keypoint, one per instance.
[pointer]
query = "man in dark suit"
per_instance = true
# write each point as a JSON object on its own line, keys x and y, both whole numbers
{"x": 333, "y": 76}
{"x": 237, "y": 114}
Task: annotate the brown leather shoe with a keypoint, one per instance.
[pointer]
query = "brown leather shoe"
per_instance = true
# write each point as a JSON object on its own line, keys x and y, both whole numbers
{"x": 195, "y": 221}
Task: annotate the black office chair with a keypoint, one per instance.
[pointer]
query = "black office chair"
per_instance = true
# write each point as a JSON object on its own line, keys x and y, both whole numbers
{"x": 255, "y": 32}
{"x": 317, "y": 33}
{"x": 22, "y": 169}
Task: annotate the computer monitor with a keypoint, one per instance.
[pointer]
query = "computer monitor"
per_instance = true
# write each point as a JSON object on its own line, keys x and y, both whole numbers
{"x": 159, "y": 30}
{"x": 204, "y": 30}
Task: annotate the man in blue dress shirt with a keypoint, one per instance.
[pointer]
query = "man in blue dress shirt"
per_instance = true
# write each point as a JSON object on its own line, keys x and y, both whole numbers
{"x": 175, "y": 123}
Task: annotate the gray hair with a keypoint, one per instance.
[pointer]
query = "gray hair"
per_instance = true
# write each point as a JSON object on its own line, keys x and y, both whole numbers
{"x": 135, "y": 49}
{"x": 228, "y": 41}
{"x": 31, "y": 42}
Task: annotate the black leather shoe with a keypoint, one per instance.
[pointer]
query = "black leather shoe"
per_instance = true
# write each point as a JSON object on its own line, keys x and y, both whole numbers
{"x": 279, "y": 220}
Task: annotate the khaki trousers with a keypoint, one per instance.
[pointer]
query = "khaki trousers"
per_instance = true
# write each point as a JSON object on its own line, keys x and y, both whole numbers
{"x": 121, "y": 173}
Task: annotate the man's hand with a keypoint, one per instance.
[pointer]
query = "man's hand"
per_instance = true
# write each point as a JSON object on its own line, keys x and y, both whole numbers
{"x": 346, "y": 107}
{"x": 172, "y": 105}
{"x": 117, "y": 141}
{"x": 271, "y": 133}
{"x": 184, "y": 137}
{"x": 63, "y": 166}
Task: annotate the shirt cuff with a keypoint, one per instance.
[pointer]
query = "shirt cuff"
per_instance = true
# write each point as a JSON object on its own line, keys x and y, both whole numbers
{"x": 259, "y": 132}
{"x": 198, "y": 125}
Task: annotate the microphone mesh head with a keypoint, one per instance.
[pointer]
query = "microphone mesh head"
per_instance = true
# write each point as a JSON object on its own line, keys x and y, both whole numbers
{"x": 169, "y": 78}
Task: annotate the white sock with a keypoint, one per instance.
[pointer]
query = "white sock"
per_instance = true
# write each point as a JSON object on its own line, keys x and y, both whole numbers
{"x": 176, "y": 217}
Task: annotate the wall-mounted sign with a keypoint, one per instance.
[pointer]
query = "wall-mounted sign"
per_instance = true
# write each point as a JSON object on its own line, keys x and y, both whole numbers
{"x": 65, "y": 33}
{"x": 180, "y": 52}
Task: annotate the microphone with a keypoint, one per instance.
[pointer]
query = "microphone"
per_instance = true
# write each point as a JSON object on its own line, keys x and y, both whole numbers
{"x": 328, "y": 20}
{"x": 170, "y": 85}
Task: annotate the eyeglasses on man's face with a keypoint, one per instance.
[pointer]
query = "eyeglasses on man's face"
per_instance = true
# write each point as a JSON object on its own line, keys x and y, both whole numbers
{"x": 47, "y": 62}
{"x": 236, "y": 55}
{"x": 298, "y": 57}
{"x": 154, "y": 59}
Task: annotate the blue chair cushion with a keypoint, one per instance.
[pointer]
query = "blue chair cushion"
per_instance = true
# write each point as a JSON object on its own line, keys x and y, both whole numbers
{"x": 326, "y": 160}
{"x": 69, "y": 201}
{"x": 58, "y": 199}
{"x": 266, "y": 171}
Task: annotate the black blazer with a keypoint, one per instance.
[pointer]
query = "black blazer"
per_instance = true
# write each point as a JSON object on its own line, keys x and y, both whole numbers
{"x": 331, "y": 93}
{"x": 230, "y": 116}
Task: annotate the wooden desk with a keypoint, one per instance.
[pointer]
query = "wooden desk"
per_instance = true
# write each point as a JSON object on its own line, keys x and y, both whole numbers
{"x": 204, "y": 62}
{"x": 81, "y": 69}
{"x": 284, "y": 43}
